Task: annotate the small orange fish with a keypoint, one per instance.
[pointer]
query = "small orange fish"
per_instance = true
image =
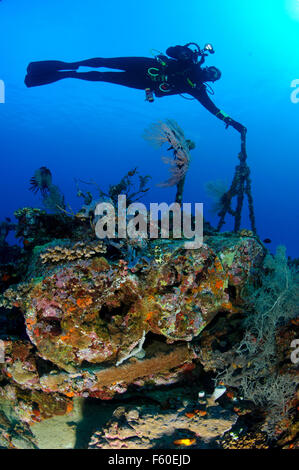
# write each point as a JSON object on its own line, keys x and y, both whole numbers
{"x": 184, "y": 442}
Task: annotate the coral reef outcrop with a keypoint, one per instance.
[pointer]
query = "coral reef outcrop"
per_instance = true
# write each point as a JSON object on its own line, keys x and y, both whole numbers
{"x": 99, "y": 322}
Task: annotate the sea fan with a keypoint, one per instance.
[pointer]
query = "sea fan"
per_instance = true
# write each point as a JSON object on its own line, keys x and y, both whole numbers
{"x": 52, "y": 197}
{"x": 171, "y": 133}
{"x": 41, "y": 181}
{"x": 216, "y": 190}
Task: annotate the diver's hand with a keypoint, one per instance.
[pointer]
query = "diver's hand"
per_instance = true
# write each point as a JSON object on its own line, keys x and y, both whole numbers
{"x": 243, "y": 133}
{"x": 236, "y": 125}
{"x": 240, "y": 128}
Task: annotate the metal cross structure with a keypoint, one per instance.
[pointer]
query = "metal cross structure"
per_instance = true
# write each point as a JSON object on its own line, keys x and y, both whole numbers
{"x": 240, "y": 187}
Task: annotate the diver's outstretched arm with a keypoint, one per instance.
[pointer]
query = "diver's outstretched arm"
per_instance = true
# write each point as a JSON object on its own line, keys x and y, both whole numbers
{"x": 205, "y": 100}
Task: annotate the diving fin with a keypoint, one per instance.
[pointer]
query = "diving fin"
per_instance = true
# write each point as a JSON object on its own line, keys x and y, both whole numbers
{"x": 32, "y": 79}
{"x": 46, "y": 66}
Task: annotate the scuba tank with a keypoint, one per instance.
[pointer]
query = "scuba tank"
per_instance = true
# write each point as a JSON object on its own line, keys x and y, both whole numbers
{"x": 185, "y": 53}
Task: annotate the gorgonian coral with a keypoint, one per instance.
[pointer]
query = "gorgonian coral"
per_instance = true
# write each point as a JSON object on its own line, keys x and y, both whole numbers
{"x": 53, "y": 199}
{"x": 170, "y": 132}
{"x": 41, "y": 181}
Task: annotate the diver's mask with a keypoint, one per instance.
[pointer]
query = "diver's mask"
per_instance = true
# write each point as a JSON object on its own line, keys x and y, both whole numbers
{"x": 211, "y": 74}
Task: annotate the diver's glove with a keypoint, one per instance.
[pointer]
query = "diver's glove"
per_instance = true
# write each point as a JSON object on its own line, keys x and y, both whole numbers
{"x": 236, "y": 125}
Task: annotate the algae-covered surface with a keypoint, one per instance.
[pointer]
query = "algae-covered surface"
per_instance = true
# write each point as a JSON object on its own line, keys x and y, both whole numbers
{"x": 107, "y": 352}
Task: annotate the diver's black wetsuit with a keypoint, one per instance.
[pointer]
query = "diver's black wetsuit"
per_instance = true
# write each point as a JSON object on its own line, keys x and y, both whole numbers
{"x": 163, "y": 76}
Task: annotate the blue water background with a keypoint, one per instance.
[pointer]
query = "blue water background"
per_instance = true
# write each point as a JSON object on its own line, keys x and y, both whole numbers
{"x": 94, "y": 130}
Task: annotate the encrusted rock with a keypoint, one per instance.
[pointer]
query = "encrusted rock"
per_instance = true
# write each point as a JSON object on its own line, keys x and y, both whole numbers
{"x": 147, "y": 427}
{"x": 92, "y": 317}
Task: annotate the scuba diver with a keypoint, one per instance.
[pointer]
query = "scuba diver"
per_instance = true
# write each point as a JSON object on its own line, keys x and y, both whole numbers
{"x": 178, "y": 72}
